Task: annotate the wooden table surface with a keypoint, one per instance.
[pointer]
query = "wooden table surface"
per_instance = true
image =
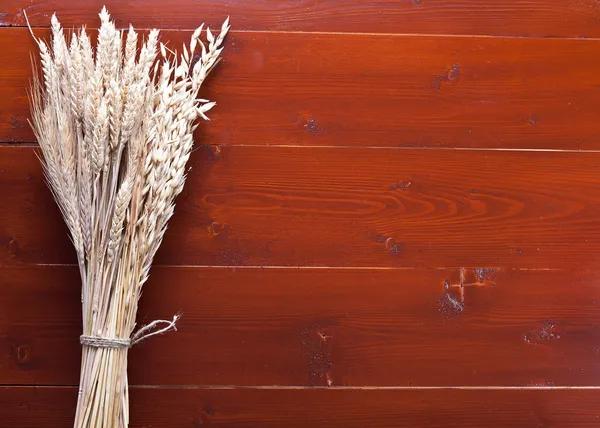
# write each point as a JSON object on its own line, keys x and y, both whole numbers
{"x": 392, "y": 220}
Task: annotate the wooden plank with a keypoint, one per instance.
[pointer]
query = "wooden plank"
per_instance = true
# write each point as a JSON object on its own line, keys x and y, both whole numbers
{"x": 291, "y": 206}
{"x": 541, "y": 18}
{"x": 349, "y": 327}
{"x": 376, "y": 90}
{"x": 273, "y": 408}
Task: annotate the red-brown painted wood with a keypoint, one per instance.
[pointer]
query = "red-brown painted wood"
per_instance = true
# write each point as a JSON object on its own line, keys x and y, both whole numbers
{"x": 376, "y": 90}
{"x": 541, "y": 18}
{"x": 450, "y": 217}
{"x": 346, "y": 207}
{"x": 25, "y": 407}
{"x": 306, "y": 327}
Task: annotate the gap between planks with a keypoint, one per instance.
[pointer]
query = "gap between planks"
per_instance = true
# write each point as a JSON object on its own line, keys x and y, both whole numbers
{"x": 305, "y": 146}
{"x": 341, "y": 33}
{"x": 304, "y": 267}
{"x": 338, "y": 388}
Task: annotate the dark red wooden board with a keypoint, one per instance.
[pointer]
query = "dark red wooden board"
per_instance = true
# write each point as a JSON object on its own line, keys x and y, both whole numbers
{"x": 375, "y": 91}
{"x": 304, "y": 408}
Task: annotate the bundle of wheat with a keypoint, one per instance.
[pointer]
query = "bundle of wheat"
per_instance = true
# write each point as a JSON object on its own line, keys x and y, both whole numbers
{"x": 115, "y": 129}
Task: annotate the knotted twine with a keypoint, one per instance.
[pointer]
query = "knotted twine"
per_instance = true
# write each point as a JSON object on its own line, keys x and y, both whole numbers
{"x": 142, "y": 334}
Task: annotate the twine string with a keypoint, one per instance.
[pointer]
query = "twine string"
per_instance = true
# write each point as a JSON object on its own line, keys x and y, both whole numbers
{"x": 142, "y": 334}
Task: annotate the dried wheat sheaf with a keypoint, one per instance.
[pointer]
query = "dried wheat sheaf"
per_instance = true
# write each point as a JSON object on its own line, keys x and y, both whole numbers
{"x": 115, "y": 127}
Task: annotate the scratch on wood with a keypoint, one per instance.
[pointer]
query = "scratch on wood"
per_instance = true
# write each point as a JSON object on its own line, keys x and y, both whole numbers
{"x": 452, "y": 299}
{"x": 404, "y": 185}
{"x": 485, "y": 274}
{"x": 316, "y": 348}
{"x": 544, "y": 335}
{"x": 542, "y": 384}
{"x": 533, "y": 120}
{"x": 13, "y": 248}
{"x": 21, "y": 354}
{"x": 322, "y": 336}
{"x": 450, "y": 305}
{"x": 213, "y": 151}
{"x": 392, "y": 246}
{"x": 453, "y": 75}
{"x": 207, "y": 413}
{"x": 312, "y": 127}
{"x": 233, "y": 257}
{"x": 328, "y": 377}
{"x": 16, "y": 121}
{"x": 215, "y": 228}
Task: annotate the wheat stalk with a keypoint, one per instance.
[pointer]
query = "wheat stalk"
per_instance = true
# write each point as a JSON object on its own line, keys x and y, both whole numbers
{"x": 115, "y": 129}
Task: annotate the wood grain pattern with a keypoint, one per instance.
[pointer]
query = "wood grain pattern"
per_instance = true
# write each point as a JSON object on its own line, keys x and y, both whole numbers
{"x": 346, "y": 207}
{"x": 541, "y": 18}
{"x": 25, "y": 407}
{"x": 330, "y": 270}
{"x": 376, "y": 90}
{"x": 307, "y": 327}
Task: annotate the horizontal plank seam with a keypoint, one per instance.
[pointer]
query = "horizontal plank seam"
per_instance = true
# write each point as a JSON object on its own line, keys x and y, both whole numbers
{"x": 344, "y": 33}
{"x": 368, "y": 388}
{"x": 297, "y": 146}
{"x": 73, "y": 265}
{"x": 338, "y": 388}
{"x": 19, "y": 144}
